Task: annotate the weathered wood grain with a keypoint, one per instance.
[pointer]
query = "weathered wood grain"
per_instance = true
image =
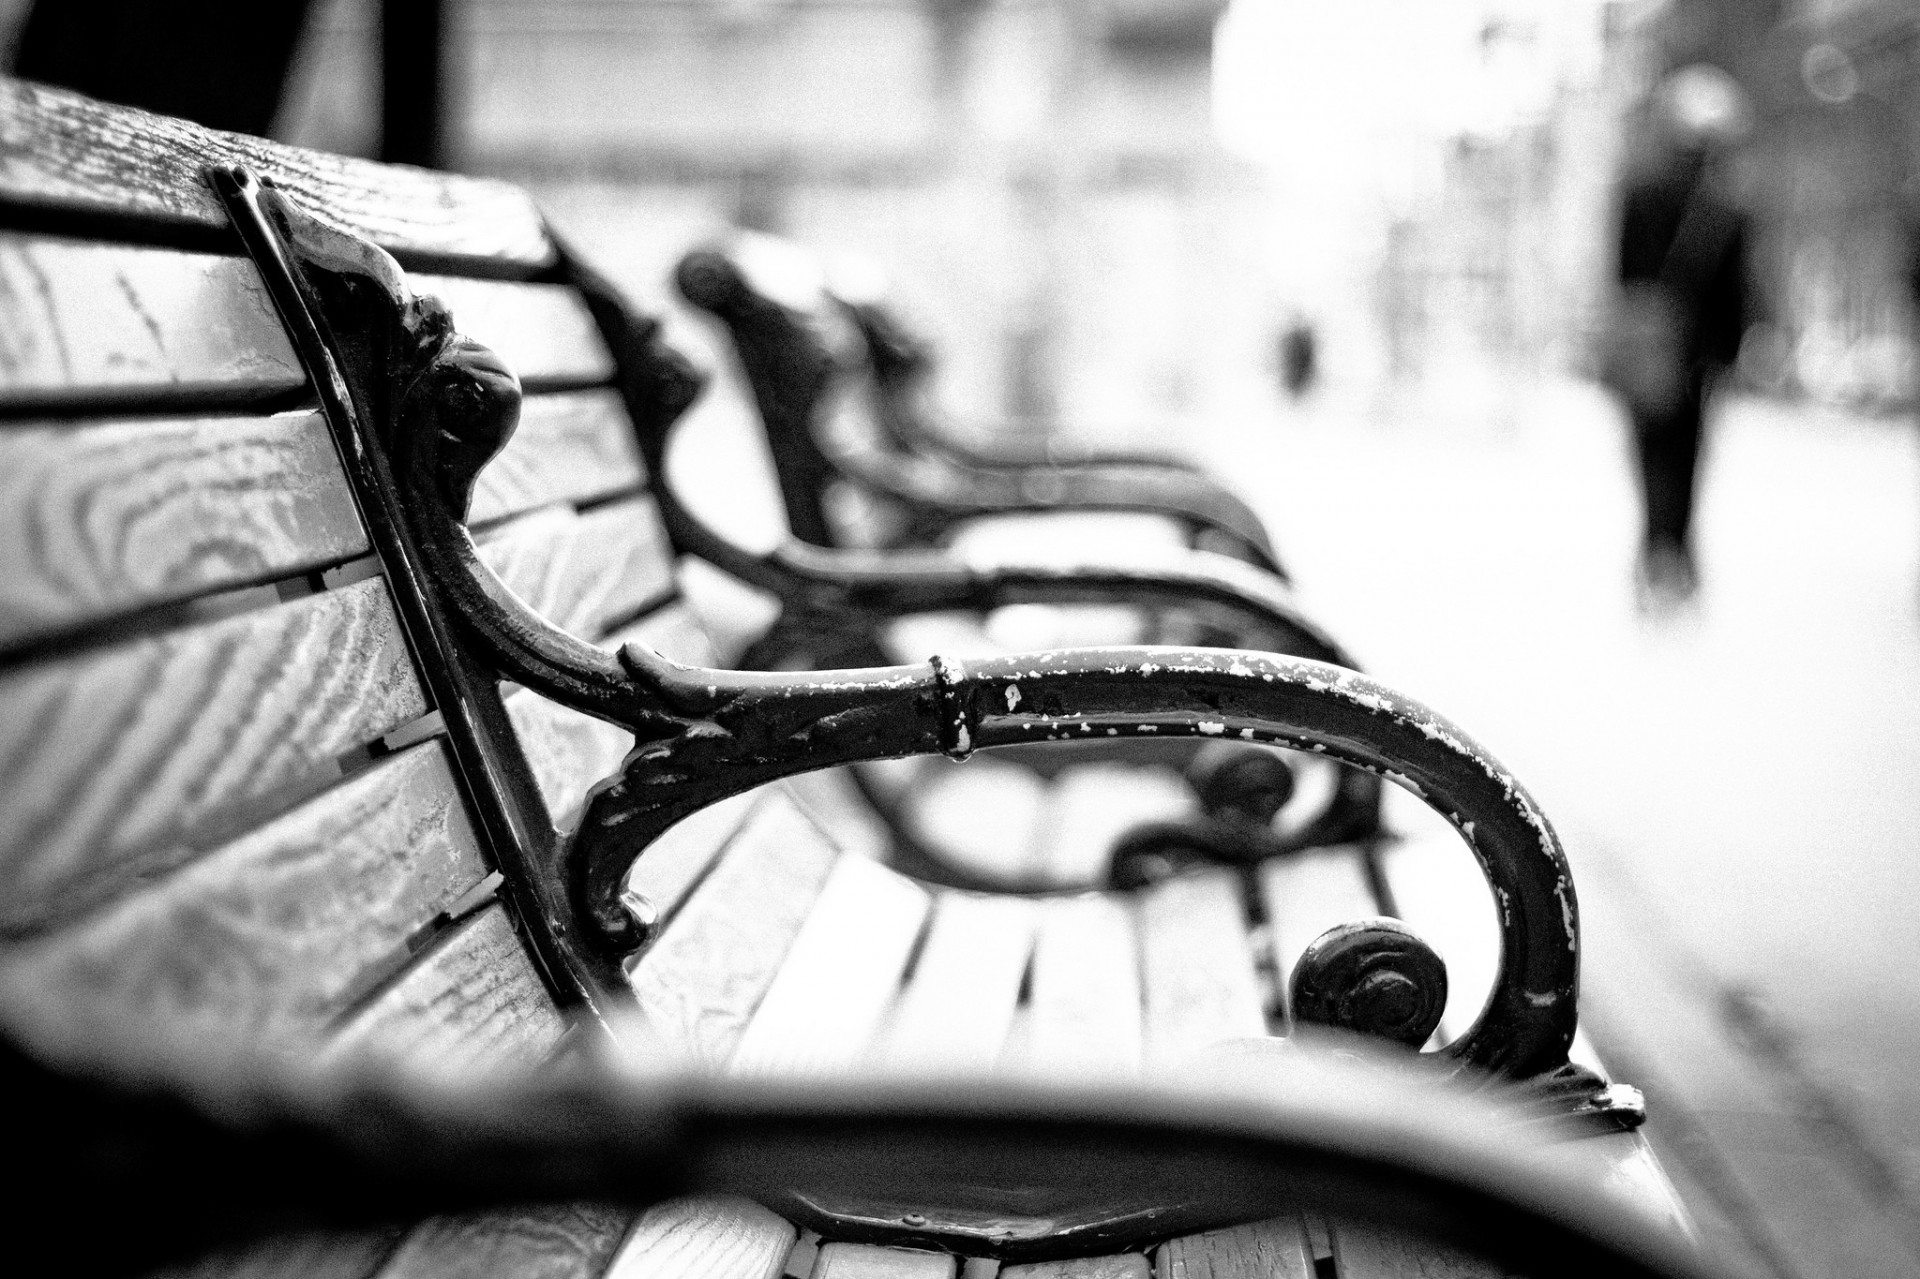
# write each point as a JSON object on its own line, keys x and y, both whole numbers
{"x": 1307, "y": 894}
{"x": 472, "y": 1002}
{"x": 1085, "y": 1000}
{"x": 100, "y": 517}
{"x": 563, "y": 1241}
{"x": 698, "y": 986}
{"x": 1365, "y": 1252}
{"x": 60, "y": 150}
{"x": 707, "y": 1237}
{"x": 84, "y": 322}
{"x": 1196, "y": 967}
{"x": 133, "y": 756}
{"x": 667, "y": 871}
{"x": 825, "y": 1006}
{"x": 569, "y": 751}
{"x": 1276, "y": 1249}
{"x": 584, "y": 572}
{"x": 269, "y": 938}
{"x": 1126, "y": 1265}
{"x": 957, "y": 1006}
{"x": 543, "y": 331}
{"x": 87, "y": 321}
{"x": 571, "y": 446}
{"x": 870, "y": 1261}
{"x": 311, "y": 1255}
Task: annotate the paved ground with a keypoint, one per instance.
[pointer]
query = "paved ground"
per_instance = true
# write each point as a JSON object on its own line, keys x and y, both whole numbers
{"x": 1739, "y": 786}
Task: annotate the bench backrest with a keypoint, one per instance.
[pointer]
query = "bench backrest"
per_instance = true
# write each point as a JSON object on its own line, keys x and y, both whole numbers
{"x": 226, "y": 801}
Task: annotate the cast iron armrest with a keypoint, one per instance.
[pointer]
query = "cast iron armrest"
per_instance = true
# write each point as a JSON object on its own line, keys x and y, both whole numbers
{"x": 898, "y": 364}
{"x": 427, "y": 408}
{"x": 198, "y": 1154}
{"x": 792, "y": 369}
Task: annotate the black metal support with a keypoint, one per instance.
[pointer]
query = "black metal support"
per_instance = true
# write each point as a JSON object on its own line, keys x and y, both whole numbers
{"x": 413, "y": 82}
{"x": 791, "y": 366}
{"x": 426, "y": 409}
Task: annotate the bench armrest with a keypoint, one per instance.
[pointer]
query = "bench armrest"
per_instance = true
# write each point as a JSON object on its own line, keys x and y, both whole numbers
{"x": 198, "y": 1154}
{"x": 427, "y": 409}
{"x": 792, "y": 368}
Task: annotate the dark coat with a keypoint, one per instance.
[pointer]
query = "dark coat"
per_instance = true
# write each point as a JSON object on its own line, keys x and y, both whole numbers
{"x": 1709, "y": 273}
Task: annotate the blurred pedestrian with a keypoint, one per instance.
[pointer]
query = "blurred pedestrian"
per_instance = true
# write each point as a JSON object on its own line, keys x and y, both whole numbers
{"x": 1683, "y": 305}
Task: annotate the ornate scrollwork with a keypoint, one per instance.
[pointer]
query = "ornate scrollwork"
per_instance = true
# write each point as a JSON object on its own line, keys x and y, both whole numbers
{"x": 429, "y": 408}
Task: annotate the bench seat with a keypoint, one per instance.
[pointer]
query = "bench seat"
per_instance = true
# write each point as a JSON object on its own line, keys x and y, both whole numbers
{"x": 230, "y": 811}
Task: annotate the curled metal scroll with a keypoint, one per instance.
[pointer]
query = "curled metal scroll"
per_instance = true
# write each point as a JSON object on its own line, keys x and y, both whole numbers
{"x": 434, "y": 407}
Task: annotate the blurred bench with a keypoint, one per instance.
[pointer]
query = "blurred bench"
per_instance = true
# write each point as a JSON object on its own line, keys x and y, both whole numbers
{"x": 264, "y": 782}
{"x": 834, "y": 386}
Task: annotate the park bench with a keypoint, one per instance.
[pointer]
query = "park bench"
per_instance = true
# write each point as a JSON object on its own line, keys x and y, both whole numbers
{"x": 834, "y": 386}
{"x": 320, "y": 731}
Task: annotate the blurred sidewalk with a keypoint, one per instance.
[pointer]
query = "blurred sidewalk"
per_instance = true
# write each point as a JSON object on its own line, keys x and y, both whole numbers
{"x": 1738, "y": 786}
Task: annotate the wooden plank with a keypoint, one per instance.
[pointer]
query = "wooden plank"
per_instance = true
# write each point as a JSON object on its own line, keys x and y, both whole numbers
{"x": 705, "y": 1237}
{"x": 570, "y": 751}
{"x": 698, "y": 986}
{"x": 1086, "y": 989}
{"x": 1089, "y": 807}
{"x": 1367, "y": 1252}
{"x": 543, "y": 331}
{"x": 270, "y": 937}
{"x": 1276, "y": 1249}
{"x": 825, "y": 1005}
{"x": 131, "y": 758}
{"x": 1126, "y": 1265}
{"x": 84, "y": 322}
{"x": 304, "y": 1255}
{"x": 1308, "y": 893}
{"x": 570, "y": 446}
{"x": 60, "y": 150}
{"x": 472, "y": 1002}
{"x": 100, "y": 517}
{"x": 870, "y": 1261}
{"x": 557, "y": 1241}
{"x": 957, "y": 1006}
{"x": 666, "y": 873}
{"x": 584, "y": 572}
{"x": 1196, "y": 966}
{"x": 673, "y": 631}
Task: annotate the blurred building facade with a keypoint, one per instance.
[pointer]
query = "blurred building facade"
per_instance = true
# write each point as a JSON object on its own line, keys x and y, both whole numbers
{"x": 1108, "y": 212}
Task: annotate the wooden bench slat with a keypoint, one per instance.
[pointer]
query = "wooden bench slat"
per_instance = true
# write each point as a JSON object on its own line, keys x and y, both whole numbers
{"x": 870, "y": 1261}
{"x": 86, "y": 323}
{"x": 698, "y": 986}
{"x": 1126, "y": 1265}
{"x": 473, "y": 1001}
{"x": 1308, "y": 893}
{"x": 561, "y": 1241}
{"x": 1363, "y": 1252}
{"x": 101, "y": 517}
{"x": 543, "y": 331}
{"x": 135, "y": 753}
{"x": 706, "y": 1237}
{"x": 1088, "y": 808}
{"x": 1197, "y": 966}
{"x": 957, "y": 1007}
{"x": 583, "y": 573}
{"x": 826, "y": 1004}
{"x": 1275, "y": 1249}
{"x": 62, "y": 151}
{"x": 570, "y": 751}
{"x": 305, "y": 1255}
{"x": 1086, "y": 989}
{"x": 270, "y": 937}
{"x": 571, "y": 446}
